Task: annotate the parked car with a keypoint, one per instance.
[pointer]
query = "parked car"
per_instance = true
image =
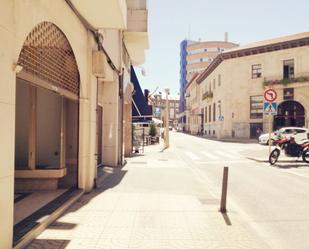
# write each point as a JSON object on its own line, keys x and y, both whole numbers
{"x": 297, "y": 132}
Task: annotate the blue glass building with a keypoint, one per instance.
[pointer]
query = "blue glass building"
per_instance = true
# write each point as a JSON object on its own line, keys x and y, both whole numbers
{"x": 183, "y": 81}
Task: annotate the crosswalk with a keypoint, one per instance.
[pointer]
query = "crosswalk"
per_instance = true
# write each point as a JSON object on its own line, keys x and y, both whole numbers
{"x": 214, "y": 156}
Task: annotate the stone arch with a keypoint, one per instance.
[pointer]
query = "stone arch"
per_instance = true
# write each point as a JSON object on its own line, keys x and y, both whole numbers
{"x": 48, "y": 55}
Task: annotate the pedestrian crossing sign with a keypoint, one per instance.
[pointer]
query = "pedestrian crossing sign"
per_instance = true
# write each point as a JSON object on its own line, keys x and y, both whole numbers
{"x": 270, "y": 108}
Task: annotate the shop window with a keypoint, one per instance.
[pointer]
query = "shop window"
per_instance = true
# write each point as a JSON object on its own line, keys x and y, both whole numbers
{"x": 256, "y": 71}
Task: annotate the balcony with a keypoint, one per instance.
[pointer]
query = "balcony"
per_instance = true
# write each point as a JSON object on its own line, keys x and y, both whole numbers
{"x": 103, "y": 14}
{"x": 207, "y": 95}
{"x": 137, "y": 16}
{"x": 136, "y": 35}
{"x": 278, "y": 80}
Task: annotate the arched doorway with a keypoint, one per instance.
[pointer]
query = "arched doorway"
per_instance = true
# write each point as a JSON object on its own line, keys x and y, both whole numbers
{"x": 290, "y": 113}
{"x": 47, "y": 121}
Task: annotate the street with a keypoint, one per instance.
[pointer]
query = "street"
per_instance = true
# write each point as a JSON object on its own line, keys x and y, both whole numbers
{"x": 272, "y": 200}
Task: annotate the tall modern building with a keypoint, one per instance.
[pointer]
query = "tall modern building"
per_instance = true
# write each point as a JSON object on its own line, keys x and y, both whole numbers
{"x": 195, "y": 57}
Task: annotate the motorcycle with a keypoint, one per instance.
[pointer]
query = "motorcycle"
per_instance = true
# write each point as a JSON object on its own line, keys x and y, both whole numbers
{"x": 290, "y": 149}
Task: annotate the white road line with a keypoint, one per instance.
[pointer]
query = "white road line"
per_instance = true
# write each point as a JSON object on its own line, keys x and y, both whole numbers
{"x": 209, "y": 155}
{"x": 227, "y": 155}
{"x": 191, "y": 155}
{"x": 222, "y": 162}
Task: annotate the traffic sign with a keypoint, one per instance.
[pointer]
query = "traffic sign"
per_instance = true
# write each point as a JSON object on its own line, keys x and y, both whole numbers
{"x": 270, "y": 95}
{"x": 270, "y": 108}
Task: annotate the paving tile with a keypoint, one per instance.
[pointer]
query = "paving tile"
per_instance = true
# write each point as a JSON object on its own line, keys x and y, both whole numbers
{"x": 247, "y": 244}
{"x": 87, "y": 232}
{"x": 147, "y": 220}
{"x": 121, "y": 219}
{"x": 82, "y": 244}
{"x": 205, "y": 244}
{"x": 123, "y": 233}
{"x": 179, "y": 233}
{"x": 147, "y": 234}
{"x": 181, "y": 244}
{"x": 113, "y": 243}
{"x": 149, "y": 244}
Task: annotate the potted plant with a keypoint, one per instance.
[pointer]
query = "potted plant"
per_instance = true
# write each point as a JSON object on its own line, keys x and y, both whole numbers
{"x": 153, "y": 131}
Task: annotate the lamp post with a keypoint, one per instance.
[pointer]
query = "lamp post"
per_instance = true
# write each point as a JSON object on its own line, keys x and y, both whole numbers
{"x": 167, "y": 112}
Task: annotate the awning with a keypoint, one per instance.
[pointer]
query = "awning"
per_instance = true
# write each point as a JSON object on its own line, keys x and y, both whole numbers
{"x": 141, "y": 111}
{"x": 157, "y": 121}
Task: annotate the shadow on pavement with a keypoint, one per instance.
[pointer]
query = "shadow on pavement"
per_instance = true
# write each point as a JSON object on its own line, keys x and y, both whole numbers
{"x": 226, "y": 219}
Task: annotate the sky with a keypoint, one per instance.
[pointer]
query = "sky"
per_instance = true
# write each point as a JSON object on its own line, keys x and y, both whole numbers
{"x": 246, "y": 21}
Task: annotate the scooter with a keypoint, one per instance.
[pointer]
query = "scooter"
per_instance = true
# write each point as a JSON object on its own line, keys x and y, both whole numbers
{"x": 290, "y": 149}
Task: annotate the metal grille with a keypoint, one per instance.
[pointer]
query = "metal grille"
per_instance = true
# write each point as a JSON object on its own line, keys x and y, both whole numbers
{"x": 48, "y": 55}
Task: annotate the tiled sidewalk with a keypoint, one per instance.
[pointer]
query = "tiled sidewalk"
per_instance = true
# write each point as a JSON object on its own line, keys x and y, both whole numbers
{"x": 154, "y": 202}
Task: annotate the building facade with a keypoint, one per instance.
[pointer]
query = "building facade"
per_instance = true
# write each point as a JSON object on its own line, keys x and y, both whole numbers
{"x": 159, "y": 104}
{"x": 195, "y": 57}
{"x": 62, "y": 94}
{"x": 231, "y": 88}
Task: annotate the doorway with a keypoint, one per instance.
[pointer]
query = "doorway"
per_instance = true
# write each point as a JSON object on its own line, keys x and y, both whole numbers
{"x": 290, "y": 113}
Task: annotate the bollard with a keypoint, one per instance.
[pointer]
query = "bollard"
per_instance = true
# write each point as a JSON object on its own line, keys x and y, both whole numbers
{"x": 224, "y": 190}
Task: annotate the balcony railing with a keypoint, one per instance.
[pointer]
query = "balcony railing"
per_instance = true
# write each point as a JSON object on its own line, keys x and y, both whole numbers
{"x": 274, "y": 80}
{"x": 207, "y": 95}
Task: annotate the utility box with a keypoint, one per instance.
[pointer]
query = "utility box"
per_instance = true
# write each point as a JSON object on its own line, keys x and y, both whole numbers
{"x": 100, "y": 66}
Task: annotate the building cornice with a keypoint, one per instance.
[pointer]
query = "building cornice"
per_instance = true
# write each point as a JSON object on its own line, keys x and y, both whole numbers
{"x": 248, "y": 51}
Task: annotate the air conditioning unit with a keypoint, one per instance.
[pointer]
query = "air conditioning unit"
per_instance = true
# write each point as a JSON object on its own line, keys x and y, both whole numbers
{"x": 100, "y": 66}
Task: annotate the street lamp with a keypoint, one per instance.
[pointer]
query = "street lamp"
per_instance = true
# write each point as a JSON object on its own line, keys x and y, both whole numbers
{"x": 167, "y": 112}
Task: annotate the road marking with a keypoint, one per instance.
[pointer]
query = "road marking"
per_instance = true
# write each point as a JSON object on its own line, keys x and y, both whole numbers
{"x": 222, "y": 162}
{"x": 209, "y": 155}
{"x": 224, "y": 154}
{"x": 191, "y": 155}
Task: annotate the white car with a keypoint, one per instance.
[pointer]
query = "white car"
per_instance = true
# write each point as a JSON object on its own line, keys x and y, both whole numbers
{"x": 297, "y": 132}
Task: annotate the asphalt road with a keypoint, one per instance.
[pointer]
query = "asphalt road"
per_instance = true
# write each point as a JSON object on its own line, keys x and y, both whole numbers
{"x": 274, "y": 201}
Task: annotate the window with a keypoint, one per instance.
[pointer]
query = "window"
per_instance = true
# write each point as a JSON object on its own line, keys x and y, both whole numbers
{"x": 219, "y": 80}
{"x": 201, "y": 59}
{"x": 205, "y": 116}
{"x": 256, "y": 107}
{"x": 214, "y": 112}
{"x": 256, "y": 71}
{"x": 214, "y": 82}
{"x": 209, "y": 117}
{"x": 288, "y": 69}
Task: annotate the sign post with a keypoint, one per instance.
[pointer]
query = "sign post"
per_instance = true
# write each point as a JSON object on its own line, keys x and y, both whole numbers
{"x": 270, "y": 108}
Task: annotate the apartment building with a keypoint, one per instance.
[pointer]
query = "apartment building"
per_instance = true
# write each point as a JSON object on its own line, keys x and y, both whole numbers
{"x": 195, "y": 57}
{"x": 231, "y": 88}
{"x": 65, "y": 69}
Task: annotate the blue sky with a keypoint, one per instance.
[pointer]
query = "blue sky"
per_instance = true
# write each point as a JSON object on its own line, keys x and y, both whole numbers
{"x": 169, "y": 22}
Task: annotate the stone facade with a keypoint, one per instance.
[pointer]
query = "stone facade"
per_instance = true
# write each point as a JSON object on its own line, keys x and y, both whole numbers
{"x": 231, "y": 89}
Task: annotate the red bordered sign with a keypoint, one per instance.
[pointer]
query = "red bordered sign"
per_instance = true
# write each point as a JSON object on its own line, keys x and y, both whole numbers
{"x": 270, "y": 95}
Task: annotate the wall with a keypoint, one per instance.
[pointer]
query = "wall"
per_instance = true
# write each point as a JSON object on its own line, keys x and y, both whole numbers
{"x": 22, "y": 125}
{"x": 7, "y": 124}
{"x": 110, "y": 123}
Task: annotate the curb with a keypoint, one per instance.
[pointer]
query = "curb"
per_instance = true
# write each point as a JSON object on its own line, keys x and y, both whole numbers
{"x": 37, "y": 230}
